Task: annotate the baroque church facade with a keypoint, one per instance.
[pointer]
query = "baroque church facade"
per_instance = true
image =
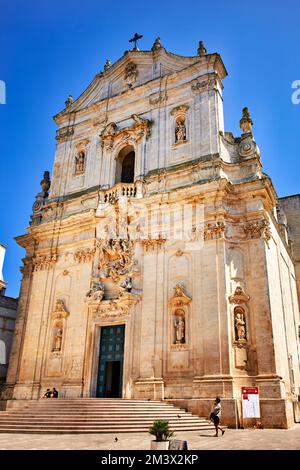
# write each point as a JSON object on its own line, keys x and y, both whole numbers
{"x": 158, "y": 259}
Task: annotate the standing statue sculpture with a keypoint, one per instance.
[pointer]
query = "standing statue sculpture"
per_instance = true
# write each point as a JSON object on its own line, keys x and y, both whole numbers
{"x": 58, "y": 339}
{"x": 180, "y": 330}
{"x": 79, "y": 162}
{"x": 180, "y": 131}
{"x": 240, "y": 326}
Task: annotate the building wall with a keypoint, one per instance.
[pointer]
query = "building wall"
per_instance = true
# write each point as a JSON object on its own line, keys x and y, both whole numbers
{"x": 8, "y": 310}
{"x": 238, "y": 261}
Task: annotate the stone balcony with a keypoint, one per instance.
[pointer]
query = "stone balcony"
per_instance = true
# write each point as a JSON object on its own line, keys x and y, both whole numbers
{"x": 120, "y": 190}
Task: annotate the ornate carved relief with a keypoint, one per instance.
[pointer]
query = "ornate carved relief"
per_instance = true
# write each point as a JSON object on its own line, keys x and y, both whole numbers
{"x": 84, "y": 255}
{"x": 64, "y": 134}
{"x": 130, "y": 74}
{"x": 60, "y": 311}
{"x": 96, "y": 292}
{"x": 116, "y": 259}
{"x": 114, "y": 310}
{"x": 44, "y": 262}
{"x": 247, "y": 146}
{"x": 258, "y": 229}
{"x": 214, "y": 230}
{"x": 182, "y": 109}
{"x": 152, "y": 243}
{"x": 239, "y": 296}
{"x": 112, "y": 136}
{"x": 204, "y": 85}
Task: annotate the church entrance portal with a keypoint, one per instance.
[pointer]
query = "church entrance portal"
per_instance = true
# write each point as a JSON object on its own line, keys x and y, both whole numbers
{"x": 110, "y": 373}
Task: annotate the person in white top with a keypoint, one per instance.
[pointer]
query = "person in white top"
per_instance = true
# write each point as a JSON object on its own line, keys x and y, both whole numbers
{"x": 215, "y": 416}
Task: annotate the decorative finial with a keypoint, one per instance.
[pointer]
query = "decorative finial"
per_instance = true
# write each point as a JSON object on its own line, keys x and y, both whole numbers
{"x": 246, "y": 121}
{"x": 135, "y": 38}
{"x": 156, "y": 45}
{"x": 45, "y": 183}
{"x": 69, "y": 101}
{"x": 107, "y": 65}
{"x": 201, "y": 51}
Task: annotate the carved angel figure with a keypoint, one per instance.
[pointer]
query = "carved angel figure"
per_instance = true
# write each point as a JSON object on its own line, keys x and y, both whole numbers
{"x": 96, "y": 292}
{"x": 126, "y": 285}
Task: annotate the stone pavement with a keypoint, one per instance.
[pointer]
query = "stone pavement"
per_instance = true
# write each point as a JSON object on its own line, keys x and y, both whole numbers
{"x": 250, "y": 439}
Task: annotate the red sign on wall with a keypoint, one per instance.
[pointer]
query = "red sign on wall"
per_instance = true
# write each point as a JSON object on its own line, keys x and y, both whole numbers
{"x": 250, "y": 402}
{"x": 249, "y": 390}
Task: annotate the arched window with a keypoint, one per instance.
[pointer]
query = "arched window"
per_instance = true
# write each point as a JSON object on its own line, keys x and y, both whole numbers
{"x": 125, "y": 165}
{"x": 2, "y": 352}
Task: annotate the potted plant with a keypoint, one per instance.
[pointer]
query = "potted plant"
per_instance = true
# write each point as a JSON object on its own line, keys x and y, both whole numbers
{"x": 162, "y": 433}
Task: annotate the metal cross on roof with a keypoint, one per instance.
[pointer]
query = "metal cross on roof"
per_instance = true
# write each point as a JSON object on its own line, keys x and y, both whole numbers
{"x": 135, "y": 38}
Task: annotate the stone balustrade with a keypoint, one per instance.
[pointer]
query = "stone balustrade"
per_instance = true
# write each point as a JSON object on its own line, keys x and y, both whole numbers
{"x": 119, "y": 190}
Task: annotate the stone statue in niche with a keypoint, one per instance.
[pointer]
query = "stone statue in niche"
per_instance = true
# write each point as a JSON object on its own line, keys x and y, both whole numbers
{"x": 180, "y": 130}
{"x": 179, "y": 325}
{"x": 57, "y": 340}
{"x": 240, "y": 326}
{"x": 79, "y": 162}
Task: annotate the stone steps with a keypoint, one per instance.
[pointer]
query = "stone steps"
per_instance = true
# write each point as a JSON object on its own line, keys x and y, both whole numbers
{"x": 88, "y": 415}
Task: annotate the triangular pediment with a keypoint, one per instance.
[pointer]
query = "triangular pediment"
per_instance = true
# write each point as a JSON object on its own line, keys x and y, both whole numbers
{"x": 133, "y": 69}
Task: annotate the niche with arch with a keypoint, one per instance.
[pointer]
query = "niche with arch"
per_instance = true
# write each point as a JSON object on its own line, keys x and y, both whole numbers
{"x": 80, "y": 157}
{"x": 125, "y": 163}
{"x": 240, "y": 324}
{"x": 179, "y": 306}
{"x": 58, "y": 328}
{"x": 180, "y": 129}
{"x": 179, "y": 124}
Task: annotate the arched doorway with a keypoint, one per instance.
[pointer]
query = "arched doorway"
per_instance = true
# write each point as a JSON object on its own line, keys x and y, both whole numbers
{"x": 125, "y": 165}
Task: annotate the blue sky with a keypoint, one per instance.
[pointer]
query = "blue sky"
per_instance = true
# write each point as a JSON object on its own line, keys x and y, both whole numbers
{"x": 50, "y": 49}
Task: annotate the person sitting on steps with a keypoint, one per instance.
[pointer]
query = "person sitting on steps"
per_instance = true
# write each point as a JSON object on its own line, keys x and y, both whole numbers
{"x": 47, "y": 394}
{"x": 54, "y": 393}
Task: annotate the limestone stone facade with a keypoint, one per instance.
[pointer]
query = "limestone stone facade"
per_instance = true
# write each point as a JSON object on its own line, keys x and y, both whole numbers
{"x": 8, "y": 313}
{"x": 141, "y": 157}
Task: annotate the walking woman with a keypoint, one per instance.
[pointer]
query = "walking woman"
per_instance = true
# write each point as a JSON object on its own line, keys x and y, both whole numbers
{"x": 215, "y": 416}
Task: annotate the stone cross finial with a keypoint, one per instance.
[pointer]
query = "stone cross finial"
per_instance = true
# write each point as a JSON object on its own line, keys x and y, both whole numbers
{"x": 69, "y": 101}
{"x": 246, "y": 121}
{"x": 107, "y": 65}
{"x": 156, "y": 45}
{"x": 135, "y": 38}
{"x": 201, "y": 51}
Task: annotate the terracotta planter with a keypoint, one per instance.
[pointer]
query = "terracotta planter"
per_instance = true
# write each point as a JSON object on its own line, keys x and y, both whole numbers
{"x": 159, "y": 445}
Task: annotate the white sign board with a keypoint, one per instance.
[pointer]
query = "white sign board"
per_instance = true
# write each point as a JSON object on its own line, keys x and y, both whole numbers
{"x": 250, "y": 402}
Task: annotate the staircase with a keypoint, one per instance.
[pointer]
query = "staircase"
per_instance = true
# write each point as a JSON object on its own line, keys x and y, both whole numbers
{"x": 96, "y": 415}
